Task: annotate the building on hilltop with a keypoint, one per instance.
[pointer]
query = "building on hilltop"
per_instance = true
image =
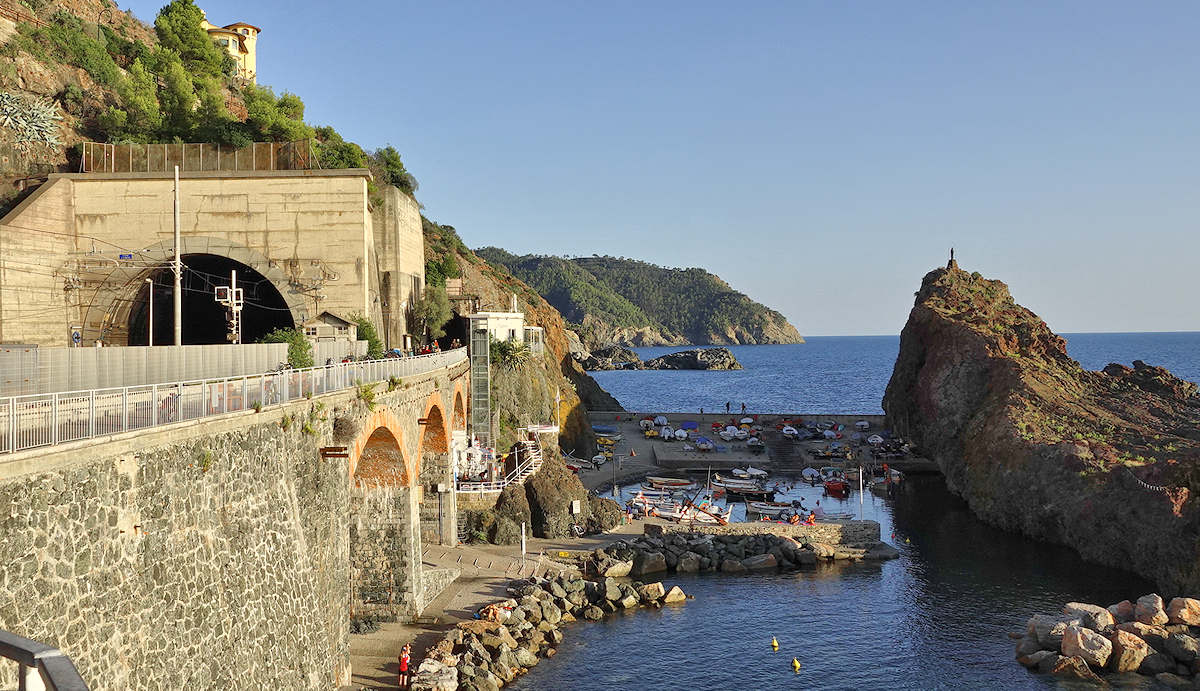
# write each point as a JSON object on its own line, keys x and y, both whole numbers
{"x": 240, "y": 40}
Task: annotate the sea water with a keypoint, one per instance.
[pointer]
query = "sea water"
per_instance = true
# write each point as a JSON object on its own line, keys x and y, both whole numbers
{"x": 936, "y": 618}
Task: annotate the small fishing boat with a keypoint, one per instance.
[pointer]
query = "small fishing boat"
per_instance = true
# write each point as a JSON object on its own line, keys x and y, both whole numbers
{"x": 681, "y": 434}
{"x": 790, "y": 432}
{"x": 875, "y": 439}
{"x": 666, "y": 433}
{"x": 862, "y": 425}
{"x": 665, "y": 482}
{"x": 660, "y": 421}
{"x": 747, "y": 420}
{"x": 832, "y": 473}
{"x": 658, "y": 492}
{"x": 742, "y": 434}
{"x": 599, "y": 459}
{"x": 837, "y": 487}
{"x": 705, "y": 444}
{"x": 606, "y": 441}
{"x": 811, "y": 474}
{"x": 646, "y": 424}
{"x": 755, "y": 444}
{"x": 769, "y": 508}
{"x": 749, "y": 473}
{"x": 703, "y": 513}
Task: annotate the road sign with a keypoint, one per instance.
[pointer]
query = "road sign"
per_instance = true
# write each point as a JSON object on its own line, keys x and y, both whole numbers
{"x": 125, "y": 256}
{"x": 75, "y": 337}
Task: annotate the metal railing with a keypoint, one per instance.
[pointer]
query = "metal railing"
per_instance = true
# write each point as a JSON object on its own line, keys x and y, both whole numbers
{"x": 533, "y": 460}
{"x": 28, "y": 422}
{"x": 101, "y": 157}
{"x": 39, "y": 665}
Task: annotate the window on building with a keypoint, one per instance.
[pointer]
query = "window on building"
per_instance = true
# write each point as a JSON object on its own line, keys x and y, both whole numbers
{"x": 512, "y": 334}
{"x": 245, "y": 32}
{"x": 225, "y": 42}
{"x": 343, "y": 331}
{"x": 310, "y": 331}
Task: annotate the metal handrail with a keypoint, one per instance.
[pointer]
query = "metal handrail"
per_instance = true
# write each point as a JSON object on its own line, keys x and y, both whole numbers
{"x": 499, "y": 485}
{"x": 37, "y": 420}
{"x": 55, "y": 669}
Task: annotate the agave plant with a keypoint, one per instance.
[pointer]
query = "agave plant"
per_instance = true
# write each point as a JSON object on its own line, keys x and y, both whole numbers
{"x": 32, "y": 121}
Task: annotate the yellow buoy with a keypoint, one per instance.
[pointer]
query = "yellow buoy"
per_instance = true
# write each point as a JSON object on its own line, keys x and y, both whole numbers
{"x": 796, "y": 665}
{"x": 774, "y": 643}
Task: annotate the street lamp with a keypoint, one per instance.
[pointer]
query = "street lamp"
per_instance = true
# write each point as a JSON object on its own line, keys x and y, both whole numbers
{"x": 150, "y": 289}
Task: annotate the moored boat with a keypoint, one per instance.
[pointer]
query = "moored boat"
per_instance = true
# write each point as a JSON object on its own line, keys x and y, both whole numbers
{"x": 663, "y": 482}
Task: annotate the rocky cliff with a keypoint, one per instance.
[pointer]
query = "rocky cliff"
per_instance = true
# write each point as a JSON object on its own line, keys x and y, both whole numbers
{"x": 1106, "y": 462}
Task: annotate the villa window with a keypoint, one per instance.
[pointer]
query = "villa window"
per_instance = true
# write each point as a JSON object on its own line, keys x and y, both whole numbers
{"x": 225, "y": 42}
{"x": 310, "y": 331}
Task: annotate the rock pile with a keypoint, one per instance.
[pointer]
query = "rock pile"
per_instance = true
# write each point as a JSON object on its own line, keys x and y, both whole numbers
{"x": 1143, "y": 637}
{"x": 486, "y": 655}
{"x": 695, "y": 552}
{"x": 699, "y": 358}
{"x": 609, "y": 358}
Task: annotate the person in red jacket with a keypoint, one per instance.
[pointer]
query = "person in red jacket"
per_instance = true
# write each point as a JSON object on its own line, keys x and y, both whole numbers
{"x": 404, "y": 660}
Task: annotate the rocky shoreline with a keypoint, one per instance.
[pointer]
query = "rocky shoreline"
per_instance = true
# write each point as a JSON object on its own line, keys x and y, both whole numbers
{"x": 622, "y": 358}
{"x": 1103, "y": 644}
{"x": 486, "y": 655}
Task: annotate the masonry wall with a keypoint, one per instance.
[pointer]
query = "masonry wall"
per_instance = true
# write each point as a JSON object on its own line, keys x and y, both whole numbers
{"x": 385, "y": 549}
{"x": 828, "y": 532}
{"x": 215, "y": 559}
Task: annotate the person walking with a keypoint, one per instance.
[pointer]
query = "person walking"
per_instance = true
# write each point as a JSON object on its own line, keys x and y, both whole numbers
{"x": 405, "y": 655}
{"x": 743, "y": 409}
{"x": 728, "y": 404}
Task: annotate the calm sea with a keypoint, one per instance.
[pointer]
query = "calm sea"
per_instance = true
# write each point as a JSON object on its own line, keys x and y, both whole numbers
{"x": 847, "y": 374}
{"x": 937, "y": 618}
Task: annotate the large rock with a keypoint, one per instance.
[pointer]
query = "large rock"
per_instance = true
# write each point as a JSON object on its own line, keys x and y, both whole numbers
{"x": 675, "y": 594}
{"x": 611, "y": 590}
{"x": 1155, "y": 663}
{"x": 649, "y": 562}
{"x": 1122, "y": 611}
{"x": 616, "y": 569}
{"x": 1149, "y": 610}
{"x": 652, "y": 592}
{"x": 1035, "y": 658}
{"x": 551, "y": 492}
{"x": 732, "y": 566}
{"x": 1069, "y": 667}
{"x": 689, "y": 562}
{"x": 434, "y": 676}
{"x": 1172, "y": 681}
{"x": 1182, "y": 647}
{"x": 822, "y": 550}
{"x": 1128, "y": 651}
{"x": 1184, "y": 610}
{"x": 1093, "y": 617}
{"x": 610, "y": 358}
{"x": 761, "y": 562}
{"x": 1087, "y": 644}
{"x": 880, "y": 552}
{"x": 525, "y": 658}
{"x": 1048, "y": 629}
{"x": 699, "y": 358}
{"x": 593, "y": 613}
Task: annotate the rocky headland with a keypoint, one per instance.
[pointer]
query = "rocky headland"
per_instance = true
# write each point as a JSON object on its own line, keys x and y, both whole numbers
{"x": 1100, "y": 644}
{"x": 1105, "y": 462}
{"x": 698, "y": 358}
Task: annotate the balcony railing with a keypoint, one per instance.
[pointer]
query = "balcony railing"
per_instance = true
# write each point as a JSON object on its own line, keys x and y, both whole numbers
{"x": 28, "y": 422}
{"x": 39, "y": 665}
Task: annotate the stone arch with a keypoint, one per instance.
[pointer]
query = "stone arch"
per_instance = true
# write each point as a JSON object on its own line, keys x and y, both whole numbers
{"x": 114, "y": 314}
{"x": 439, "y": 523}
{"x": 377, "y": 455}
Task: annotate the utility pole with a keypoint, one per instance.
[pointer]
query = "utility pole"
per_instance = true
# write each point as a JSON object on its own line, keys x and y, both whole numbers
{"x": 178, "y": 265}
{"x": 150, "y": 290}
{"x": 232, "y": 298}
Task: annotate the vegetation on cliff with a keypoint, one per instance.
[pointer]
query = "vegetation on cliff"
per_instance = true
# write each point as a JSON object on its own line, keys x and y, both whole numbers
{"x": 1107, "y": 462}
{"x": 616, "y": 300}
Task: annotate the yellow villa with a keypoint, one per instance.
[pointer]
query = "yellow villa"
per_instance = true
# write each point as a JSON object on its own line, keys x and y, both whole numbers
{"x": 240, "y": 39}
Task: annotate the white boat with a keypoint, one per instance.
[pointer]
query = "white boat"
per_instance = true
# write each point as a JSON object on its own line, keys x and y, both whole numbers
{"x": 646, "y": 424}
{"x": 681, "y": 434}
{"x": 874, "y": 439}
{"x": 657, "y": 492}
{"x": 742, "y": 434}
{"x": 811, "y": 474}
{"x": 747, "y": 421}
{"x": 755, "y": 443}
{"x": 666, "y": 433}
{"x": 727, "y": 436}
{"x": 660, "y": 421}
{"x": 790, "y": 432}
{"x": 769, "y": 508}
{"x": 705, "y": 445}
{"x": 756, "y": 472}
{"x": 831, "y": 473}
{"x": 704, "y": 513}
{"x": 599, "y": 459}
{"x": 608, "y": 438}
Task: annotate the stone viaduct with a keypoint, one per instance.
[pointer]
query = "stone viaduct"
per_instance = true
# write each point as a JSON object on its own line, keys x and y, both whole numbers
{"x": 233, "y": 551}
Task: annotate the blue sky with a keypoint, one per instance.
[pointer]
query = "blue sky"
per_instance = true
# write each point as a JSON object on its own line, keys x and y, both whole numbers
{"x": 821, "y": 157}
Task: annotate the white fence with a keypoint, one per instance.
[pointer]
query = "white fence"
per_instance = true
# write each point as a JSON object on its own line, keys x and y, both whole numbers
{"x": 28, "y": 422}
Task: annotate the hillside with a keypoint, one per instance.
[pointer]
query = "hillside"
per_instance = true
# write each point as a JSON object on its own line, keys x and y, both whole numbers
{"x": 608, "y": 300}
{"x": 1105, "y": 462}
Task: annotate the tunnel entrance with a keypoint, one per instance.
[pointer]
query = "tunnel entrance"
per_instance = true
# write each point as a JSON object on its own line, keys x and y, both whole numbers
{"x": 204, "y": 319}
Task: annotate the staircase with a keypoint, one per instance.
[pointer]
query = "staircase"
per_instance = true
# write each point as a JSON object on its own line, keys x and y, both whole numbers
{"x": 531, "y": 452}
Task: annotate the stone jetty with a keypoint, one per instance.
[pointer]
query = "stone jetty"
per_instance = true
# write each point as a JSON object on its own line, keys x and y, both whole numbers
{"x": 1149, "y": 637}
{"x": 487, "y": 654}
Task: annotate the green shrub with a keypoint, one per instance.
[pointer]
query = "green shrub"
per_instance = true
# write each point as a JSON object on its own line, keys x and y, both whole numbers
{"x": 367, "y": 332}
{"x": 300, "y": 353}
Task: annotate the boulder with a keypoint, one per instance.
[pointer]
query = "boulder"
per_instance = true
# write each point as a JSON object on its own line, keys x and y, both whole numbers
{"x": 761, "y": 562}
{"x": 1122, "y": 611}
{"x": 1027, "y": 646}
{"x": 698, "y": 358}
{"x": 1155, "y": 663}
{"x": 1048, "y": 629}
{"x": 593, "y": 613}
{"x": 525, "y": 658}
{"x": 1035, "y": 658}
{"x": 1156, "y": 636}
{"x": 652, "y": 592}
{"x": 1048, "y": 662}
{"x": 880, "y": 552}
{"x": 689, "y": 562}
{"x": 630, "y": 601}
{"x": 675, "y": 594}
{"x": 1149, "y": 610}
{"x": 616, "y": 569}
{"x": 805, "y": 557}
{"x": 648, "y": 563}
{"x": 1184, "y": 610}
{"x": 1182, "y": 647}
{"x": 732, "y": 566}
{"x": 556, "y": 589}
{"x": 1086, "y": 644}
{"x": 1172, "y": 681}
{"x": 1067, "y": 667}
{"x": 822, "y": 550}
{"x": 551, "y": 614}
{"x": 1093, "y": 617}
{"x": 611, "y": 590}
{"x": 434, "y": 676}
{"x": 1128, "y": 651}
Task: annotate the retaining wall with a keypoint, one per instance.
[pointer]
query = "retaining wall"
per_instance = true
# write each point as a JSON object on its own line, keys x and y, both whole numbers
{"x": 828, "y": 532}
